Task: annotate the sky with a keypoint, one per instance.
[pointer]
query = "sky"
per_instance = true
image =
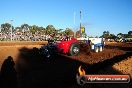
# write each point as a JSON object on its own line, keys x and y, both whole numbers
{"x": 97, "y": 15}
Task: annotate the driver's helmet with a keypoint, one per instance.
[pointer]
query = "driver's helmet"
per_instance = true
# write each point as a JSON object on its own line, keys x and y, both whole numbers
{"x": 65, "y": 38}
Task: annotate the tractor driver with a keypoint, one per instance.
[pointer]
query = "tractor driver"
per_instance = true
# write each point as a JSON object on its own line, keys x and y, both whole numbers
{"x": 65, "y": 38}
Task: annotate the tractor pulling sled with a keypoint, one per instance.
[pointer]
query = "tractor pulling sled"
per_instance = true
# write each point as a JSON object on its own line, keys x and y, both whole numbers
{"x": 71, "y": 47}
{"x": 68, "y": 47}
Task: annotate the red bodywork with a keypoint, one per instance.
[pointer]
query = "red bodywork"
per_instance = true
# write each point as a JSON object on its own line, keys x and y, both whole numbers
{"x": 64, "y": 46}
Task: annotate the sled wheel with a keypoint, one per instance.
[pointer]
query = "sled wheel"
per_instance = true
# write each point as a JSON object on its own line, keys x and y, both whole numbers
{"x": 96, "y": 49}
{"x": 100, "y": 48}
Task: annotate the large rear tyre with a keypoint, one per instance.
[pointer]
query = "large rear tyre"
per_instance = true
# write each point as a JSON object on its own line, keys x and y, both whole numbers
{"x": 74, "y": 49}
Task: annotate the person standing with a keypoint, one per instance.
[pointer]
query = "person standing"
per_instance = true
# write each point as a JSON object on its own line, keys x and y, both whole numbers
{"x": 8, "y": 74}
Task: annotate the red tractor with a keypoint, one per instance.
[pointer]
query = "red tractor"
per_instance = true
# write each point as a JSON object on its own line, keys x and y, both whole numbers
{"x": 70, "y": 47}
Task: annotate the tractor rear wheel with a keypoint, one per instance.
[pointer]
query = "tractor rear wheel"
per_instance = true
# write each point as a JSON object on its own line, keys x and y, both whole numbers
{"x": 74, "y": 49}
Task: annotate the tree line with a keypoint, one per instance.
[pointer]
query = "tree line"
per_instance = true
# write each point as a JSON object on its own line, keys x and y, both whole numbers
{"x": 108, "y": 35}
{"x": 49, "y": 30}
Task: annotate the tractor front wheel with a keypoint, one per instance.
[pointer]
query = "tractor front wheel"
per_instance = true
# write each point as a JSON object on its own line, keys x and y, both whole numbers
{"x": 74, "y": 49}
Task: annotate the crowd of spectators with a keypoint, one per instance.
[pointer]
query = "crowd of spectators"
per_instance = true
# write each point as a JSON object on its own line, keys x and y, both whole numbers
{"x": 24, "y": 36}
{"x": 28, "y": 36}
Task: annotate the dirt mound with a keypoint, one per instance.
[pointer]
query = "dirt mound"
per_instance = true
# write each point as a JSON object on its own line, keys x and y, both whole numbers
{"x": 124, "y": 66}
{"x": 92, "y": 57}
{"x": 85, "y": 49}
{"x": 121, "y": 46}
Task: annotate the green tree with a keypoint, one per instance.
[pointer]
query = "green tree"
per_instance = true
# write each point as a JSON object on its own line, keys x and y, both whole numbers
{"x": 112, "y": 36}
{"x": 119, "y": 35}
{"x": 106, "y": 34}
{"x": 96, "y": 36}
{"x": 60, "y": 31}
{"x": 130, "y": 33}
{"x": 42, "y": 30}
{"x": 5, "y": 27}
{"x": 34, "y": 29}
{"x": 50, "y": 29}
{"x": 69, "y": 32}
{"x": 25, "y": 27}
{"x": 18, "y": 29}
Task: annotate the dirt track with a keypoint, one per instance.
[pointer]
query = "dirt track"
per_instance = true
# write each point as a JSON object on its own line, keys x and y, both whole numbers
{"x": 93, "y": 63}
{"x": 12, "y": 48}
{"x": 111, "y": 50}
